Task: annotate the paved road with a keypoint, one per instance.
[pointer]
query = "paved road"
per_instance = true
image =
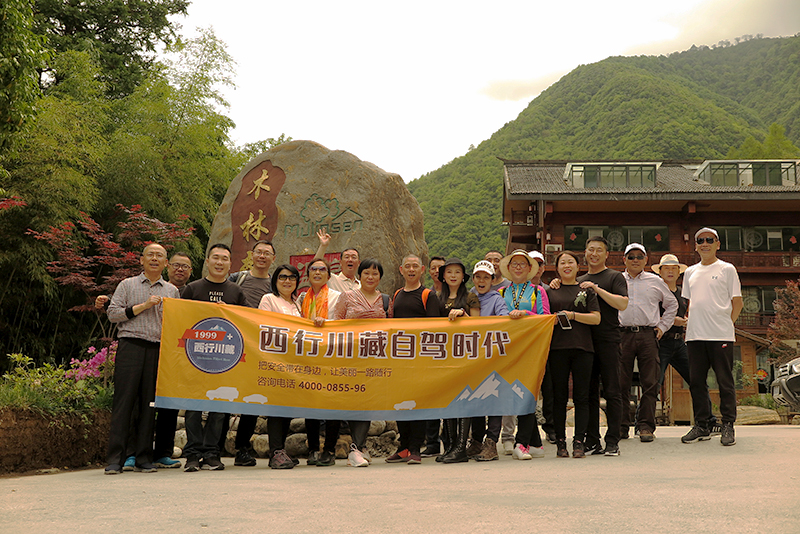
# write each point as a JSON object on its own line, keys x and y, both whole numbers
{"x": 658, "y": 487}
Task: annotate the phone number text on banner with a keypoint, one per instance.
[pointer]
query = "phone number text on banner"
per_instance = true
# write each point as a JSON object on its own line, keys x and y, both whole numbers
{"x": 232, "y": 359}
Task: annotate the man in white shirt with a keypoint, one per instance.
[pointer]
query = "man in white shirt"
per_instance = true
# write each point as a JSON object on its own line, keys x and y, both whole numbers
{"x": 346, "y": 280}
{"x": 714, "y": 293}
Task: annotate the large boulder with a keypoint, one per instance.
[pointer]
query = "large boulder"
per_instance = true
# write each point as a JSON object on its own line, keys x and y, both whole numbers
{"x": 755, "y": 415}
{"x": 289, "y": 192}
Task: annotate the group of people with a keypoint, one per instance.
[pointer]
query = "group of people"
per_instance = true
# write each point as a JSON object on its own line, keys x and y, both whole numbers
{"x": 606, "y": 321}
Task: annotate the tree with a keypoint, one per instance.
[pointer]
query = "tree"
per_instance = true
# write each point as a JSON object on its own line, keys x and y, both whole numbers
{"x": 786, "y": 324}
{"x": 171, "y": 151}
{"x": 91, "y": 261}
{"x": 775, "y": 146}
{"x": 122, "y": 34}
{"x": 22, "y": 55}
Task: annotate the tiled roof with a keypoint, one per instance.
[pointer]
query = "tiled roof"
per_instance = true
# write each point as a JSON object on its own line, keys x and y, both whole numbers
{"x": 547, "y": 177}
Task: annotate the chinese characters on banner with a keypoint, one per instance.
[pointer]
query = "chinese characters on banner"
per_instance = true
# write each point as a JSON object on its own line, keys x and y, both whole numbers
{"x": 241, "y": 360}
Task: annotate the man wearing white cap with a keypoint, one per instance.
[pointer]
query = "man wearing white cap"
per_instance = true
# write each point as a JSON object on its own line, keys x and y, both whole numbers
{"x": 642, "y": 326}
{"x": 715, "y": 301}
{"x": 672, "y": 347}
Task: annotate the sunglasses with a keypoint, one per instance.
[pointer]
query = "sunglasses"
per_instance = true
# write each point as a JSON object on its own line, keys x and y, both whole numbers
{"x": 318, "y": 268}
{"x": 284, "y": 277}
{"x": 639, "y": 257}
{"x": 701, "y": 240}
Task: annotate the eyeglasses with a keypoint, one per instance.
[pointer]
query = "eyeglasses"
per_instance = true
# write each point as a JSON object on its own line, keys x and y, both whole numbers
{"x": 180, "y": 266}
{"x": 520, "y": 265}
{"x": 701, "y": 240}
{"x": 158, "y": 255}
{"x": 259, "y": 253}
{"x": 637, "y": 258}
{"x": 284, "y": 277}
{"x": 318, "y": 268}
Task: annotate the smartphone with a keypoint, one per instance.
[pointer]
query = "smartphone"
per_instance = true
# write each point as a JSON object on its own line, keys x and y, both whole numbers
{"x": 563, "y": 321}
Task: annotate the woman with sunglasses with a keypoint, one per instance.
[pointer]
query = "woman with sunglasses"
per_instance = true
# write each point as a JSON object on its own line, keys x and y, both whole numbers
{"x": 365, "y": 302}
{"x": 281, "y": 300}
{"x": 317, "y": 304}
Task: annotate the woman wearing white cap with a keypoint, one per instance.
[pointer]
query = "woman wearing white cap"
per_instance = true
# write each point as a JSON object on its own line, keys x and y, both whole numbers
{"x": 523, "y": 298}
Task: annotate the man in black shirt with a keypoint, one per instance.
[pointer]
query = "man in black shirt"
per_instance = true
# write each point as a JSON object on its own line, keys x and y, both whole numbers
{"x": 203, "y": 441}
{"x": 413, "y": 300}
{"x": 612, "y": 290}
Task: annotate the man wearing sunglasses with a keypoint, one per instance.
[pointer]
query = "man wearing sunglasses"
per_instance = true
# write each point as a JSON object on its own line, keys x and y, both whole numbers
{"x": 642, "y": 326}
{"x": 714, "y": 293}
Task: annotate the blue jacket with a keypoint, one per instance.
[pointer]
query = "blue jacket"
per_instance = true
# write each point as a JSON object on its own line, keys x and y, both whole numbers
{"x": 492, "y": 304}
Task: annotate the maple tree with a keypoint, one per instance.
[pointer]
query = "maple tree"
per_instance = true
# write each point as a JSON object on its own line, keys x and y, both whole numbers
{"x": 92, "y": 261}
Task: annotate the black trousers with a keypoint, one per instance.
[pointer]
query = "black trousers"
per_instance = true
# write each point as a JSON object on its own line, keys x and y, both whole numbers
{"x": 605, "y": 368}
{"x": 643, "y": 347}
{"x": 278, "y": 431}
{"x": 331, "y": 434}
{"x": 579, "y": 364}
{"x": 491, "y": 429}
{"x": 134, "y": 390}
{"x": 412, "y": 435}
{"x": 717, "y": 355}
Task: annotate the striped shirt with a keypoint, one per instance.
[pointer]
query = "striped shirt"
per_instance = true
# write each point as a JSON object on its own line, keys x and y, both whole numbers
{"x": 136, "y": 290}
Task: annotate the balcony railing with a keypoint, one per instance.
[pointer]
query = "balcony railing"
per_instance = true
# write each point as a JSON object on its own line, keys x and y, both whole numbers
{"x": 765, "y": 262}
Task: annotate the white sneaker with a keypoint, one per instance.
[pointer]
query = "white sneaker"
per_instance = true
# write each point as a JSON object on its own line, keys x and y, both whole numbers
{"x": 355, "y": 458}
{"x": 536, "y": 452}
{"x": 508, "y": 448}
{"x": 521, "y": 452}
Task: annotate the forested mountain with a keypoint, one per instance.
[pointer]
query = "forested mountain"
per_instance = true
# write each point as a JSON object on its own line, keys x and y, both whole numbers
{"x": 699, "y": 103}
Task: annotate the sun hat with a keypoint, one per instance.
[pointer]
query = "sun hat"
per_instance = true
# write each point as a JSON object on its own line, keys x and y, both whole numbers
{"x": 519, "y": 252}
{"x": 669, "y": 259}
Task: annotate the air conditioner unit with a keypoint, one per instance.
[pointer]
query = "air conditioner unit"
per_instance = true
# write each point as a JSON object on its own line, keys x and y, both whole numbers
{"x": 530, "y": 220}
{"x": 552, "y": 249}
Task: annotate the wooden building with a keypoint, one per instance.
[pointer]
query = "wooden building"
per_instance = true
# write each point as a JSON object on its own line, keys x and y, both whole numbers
{"x": 754, "y": 205}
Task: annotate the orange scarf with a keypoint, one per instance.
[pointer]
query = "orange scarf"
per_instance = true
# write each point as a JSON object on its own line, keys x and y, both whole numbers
{"x": 316, "y": 305}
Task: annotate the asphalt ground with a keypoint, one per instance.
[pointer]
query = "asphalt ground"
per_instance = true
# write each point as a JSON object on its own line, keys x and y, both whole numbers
{"x": 661, "y": 487}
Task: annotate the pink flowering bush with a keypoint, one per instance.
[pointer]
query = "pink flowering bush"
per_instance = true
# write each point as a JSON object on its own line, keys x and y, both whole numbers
{"x": 100, "y": 365}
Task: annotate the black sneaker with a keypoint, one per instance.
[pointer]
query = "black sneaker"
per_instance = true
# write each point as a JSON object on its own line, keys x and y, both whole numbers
{"x": 212, "y": 464}
{"x": 715, "y": 429}
{"x": 431, "y": 451}
{"x": 326, "y": 459}
{"x": 551, "y": 437}
{"x": 697, "y": 433}
{"x": 145, "y": 468}
{"x": 728, "y": 435}
{"x": 593, "y": 449}
{"x": 611, "y": 450}
{"x": 244, "y": 458}
{"x": 192, "y": 465}
{"x": 113, "y": 469}
{"x": 624, "y": 433}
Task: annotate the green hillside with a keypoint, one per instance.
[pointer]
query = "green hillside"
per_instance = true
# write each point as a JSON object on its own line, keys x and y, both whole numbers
{"x": 694, "y": 104}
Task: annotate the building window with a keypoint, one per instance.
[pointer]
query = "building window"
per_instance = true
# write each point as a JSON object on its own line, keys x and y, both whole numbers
{"x": 613, "y": 176}
{"x": 759, "y": 238}
{"x": 654, "y": 238}
{"x": 721, "y": 174}
{"x": 768, "y": 173}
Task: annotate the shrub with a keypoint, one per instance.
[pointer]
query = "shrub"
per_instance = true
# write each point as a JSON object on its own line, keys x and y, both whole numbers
{"x": 763, "y": 401}
{"x": 48, "y": 389}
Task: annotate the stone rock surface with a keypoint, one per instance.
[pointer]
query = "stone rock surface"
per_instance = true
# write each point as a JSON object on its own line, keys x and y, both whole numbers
{"x": 297, "y": 425}
{"x": 296, "y": 445}
{"x": 289, "y": 192}
{"x": 755, "y": 415}
{"x": 261, "y": 445}
{"x": 180, "y": 438}
{"x": 376, "y": 428}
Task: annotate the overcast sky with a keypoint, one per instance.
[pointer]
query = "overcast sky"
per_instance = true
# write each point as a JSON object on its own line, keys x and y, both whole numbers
{"x": 409, "y": 86}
